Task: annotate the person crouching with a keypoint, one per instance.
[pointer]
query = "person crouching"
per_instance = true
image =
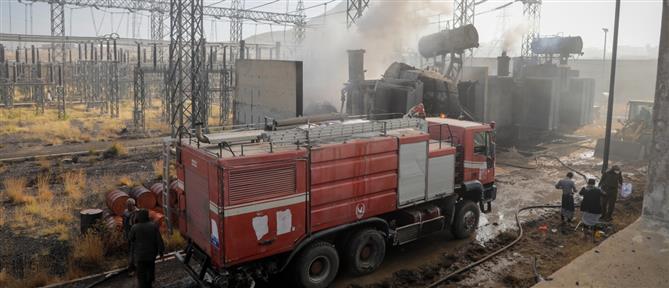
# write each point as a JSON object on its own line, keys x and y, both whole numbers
{"x": 591, "y": 209}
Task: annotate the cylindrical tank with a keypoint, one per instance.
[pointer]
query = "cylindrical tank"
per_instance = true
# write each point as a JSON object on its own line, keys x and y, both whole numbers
{"x": 503, "y": 65}
{"x": 157, "y": 218}
{"x": 157, "y": 189}
{"x": 557, "y": 45}
{"x": 114, "y": 223}
{"x": 449, "y": 41}
{"x": 88, "y": 218}
{"x": 144, "y": 197}
{"x": 356, "y": 65}
{"x": 116, "y": 201}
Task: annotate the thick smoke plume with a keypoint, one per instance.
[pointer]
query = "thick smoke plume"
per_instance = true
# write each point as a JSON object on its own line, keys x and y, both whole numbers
{"x": 513, "y": 36}
{"x": 385, "y": 31}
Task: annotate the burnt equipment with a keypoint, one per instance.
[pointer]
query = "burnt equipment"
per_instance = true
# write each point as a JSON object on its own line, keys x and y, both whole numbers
{"x": 449, "y": 41}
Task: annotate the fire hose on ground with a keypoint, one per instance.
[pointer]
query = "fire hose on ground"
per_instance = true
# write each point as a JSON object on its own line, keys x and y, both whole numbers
{"x": 495, "y": 253}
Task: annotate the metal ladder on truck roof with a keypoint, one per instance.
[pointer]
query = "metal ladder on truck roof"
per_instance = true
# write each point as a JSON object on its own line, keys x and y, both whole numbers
{"x": 340, "y": 130}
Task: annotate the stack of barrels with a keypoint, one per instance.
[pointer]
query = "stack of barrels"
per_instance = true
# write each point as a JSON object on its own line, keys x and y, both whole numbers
{"x": 145, "y": 198}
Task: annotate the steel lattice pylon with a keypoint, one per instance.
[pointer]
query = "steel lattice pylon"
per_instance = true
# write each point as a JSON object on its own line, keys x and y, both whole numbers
{"x": 58, "y": 29}
{"x": 532, "y": 12}
{"x": 186, "y": 70}
{"x": 463, "y": 14}
{"x": 236, "y": 21}
{"x": 300, "y": 28}
{"x": 354, "y": 9}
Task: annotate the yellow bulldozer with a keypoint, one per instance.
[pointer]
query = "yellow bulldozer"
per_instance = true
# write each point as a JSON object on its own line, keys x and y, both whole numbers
{"x": 631, "y": 142}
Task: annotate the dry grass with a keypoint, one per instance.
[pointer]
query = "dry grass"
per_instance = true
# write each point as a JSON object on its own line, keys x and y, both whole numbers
{"x": 158, "y": 168}
{"x": 59, "y": 229}
{"x": 22, "y": 219}
{"x": 44, "y": 193}
{"x": 174, "y": 241}
{"x": 116, "y": 150}
{"x": 88, "y": 250}
{"x": 2, "y": 215}
{"x": 126, "y": 180}
{"x": 15, "y": 188}
{"x": 5, "y": 278}
{"x": 74, "y": 184}
{"x": 44, "y": 163}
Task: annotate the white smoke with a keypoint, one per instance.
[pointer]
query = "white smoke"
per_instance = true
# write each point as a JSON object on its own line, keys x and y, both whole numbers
{"x": 512, "y": 37}
{"x": 385, "y": 30}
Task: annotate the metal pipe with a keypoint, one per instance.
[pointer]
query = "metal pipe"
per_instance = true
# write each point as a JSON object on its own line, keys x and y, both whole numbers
{"x": 612, "y": 82}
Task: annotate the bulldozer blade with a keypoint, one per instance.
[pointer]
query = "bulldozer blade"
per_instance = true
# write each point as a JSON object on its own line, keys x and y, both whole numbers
{"x": 622, "y": 150}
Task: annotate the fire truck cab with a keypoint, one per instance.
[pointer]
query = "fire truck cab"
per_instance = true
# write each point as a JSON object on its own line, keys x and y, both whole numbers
{"x": 312, "y": 199}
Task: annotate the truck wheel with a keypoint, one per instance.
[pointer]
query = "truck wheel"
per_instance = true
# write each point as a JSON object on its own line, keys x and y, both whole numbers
{"x": 317, "y": 265}
{"x": 365, "y": 252}
{"x": 466, "y": 219}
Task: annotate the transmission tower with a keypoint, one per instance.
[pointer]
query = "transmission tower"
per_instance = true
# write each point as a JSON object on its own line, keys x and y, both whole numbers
{"x": 354, "y": 9}
{"x": 463, "y": 14}
{"x": 236, "y": 21}
{"x": 532, "y": 12}
{"x": 58, "y": 30}
{"x": 300, "y": 27}
{"x": 186, "y": 71}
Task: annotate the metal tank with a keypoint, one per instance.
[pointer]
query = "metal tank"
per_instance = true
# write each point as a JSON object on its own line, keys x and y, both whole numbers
{"x": 558, "y": 45}
{"x": 449, "y": 41}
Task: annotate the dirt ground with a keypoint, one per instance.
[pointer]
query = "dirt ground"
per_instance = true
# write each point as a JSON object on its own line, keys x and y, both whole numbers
{"x": 545, "y": 239}
{"x": 523, "y": 177}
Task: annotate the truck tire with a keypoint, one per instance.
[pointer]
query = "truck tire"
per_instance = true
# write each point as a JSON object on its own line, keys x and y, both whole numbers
{"x": 364, "y": 252}
{"x": 317, "y": 265}
{"x": 466, "y": 219}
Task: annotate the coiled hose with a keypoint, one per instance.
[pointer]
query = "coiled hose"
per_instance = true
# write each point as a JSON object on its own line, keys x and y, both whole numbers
{"x": 493, "y": 254}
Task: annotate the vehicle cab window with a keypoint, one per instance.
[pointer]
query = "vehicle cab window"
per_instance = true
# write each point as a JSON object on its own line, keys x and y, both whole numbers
{"x": 481, "y": 143}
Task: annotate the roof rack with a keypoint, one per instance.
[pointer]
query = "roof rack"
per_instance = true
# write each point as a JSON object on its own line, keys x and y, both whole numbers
{"x": 331, "y": 131}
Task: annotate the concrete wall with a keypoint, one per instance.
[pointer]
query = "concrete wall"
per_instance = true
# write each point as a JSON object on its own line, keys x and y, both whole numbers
{"x": 267, "y": 88}
{"x": 635, "y": 79}
{"x": 656, "y": 199}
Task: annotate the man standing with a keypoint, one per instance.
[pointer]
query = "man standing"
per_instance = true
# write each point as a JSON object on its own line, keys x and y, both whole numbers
{"x": 568, "y": 189}
{"x": 611, "y": 181}
{"x": 129, "y": 219}
{"x": 146, "y": 244}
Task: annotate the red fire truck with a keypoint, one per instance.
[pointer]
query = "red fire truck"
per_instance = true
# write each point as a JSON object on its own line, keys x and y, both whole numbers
{"x": 313, "y": 199}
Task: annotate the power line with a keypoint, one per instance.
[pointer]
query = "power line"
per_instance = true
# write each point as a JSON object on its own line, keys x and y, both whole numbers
{"x": 263, "y": 5}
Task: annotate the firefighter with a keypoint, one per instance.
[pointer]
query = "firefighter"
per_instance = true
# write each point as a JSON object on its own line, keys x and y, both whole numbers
{"x": 568, "y": 189}
{"x": 591, "y": 209}
{"x": 146, "y": 243}
{"x": 129, "y": 217}
{"x": 611, "y": 182}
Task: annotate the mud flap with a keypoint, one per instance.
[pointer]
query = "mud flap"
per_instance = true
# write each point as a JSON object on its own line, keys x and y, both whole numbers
{"x": 485, "y": 206}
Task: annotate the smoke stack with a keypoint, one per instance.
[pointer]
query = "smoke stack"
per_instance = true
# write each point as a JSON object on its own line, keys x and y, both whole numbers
{"x": 356, "y": 65}
{"x": 503, "y": 65}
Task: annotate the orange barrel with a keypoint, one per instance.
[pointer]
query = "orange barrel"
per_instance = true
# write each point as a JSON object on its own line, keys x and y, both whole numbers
{"x": 116, "y": 201}
{"x": 157, "y": 189}
{"x": 88, "y": 218}
{"x": 114, "y": 223}
{"x": 144, "y": 197}
{"x": 156, "y": 217}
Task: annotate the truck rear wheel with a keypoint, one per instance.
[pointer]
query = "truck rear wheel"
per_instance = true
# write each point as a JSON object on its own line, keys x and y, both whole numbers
{"x": 317, "y": 265}
{"x": 466, "y": 219}
{"x": 364, "y": 252}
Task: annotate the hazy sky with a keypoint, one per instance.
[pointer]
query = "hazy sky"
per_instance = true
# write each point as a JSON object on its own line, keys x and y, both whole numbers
{"x": 640, "y": 19}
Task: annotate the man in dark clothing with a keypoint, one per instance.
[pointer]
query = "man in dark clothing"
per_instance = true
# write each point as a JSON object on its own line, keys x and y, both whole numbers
{"x": 129, "y": 216}
{"x": 591, "y": 209}
{"x": 611, "y": 181}
{"x": 568, "y": 189}
{"x": 146, "y": 244}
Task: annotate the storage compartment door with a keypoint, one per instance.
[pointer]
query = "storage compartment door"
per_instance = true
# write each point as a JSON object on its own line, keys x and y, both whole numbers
{"x": 413, "y": 166}
{"x": 441, "y": 175}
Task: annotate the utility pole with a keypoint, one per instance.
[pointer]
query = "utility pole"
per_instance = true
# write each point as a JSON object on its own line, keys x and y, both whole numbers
{"x": 612, "y": 82}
